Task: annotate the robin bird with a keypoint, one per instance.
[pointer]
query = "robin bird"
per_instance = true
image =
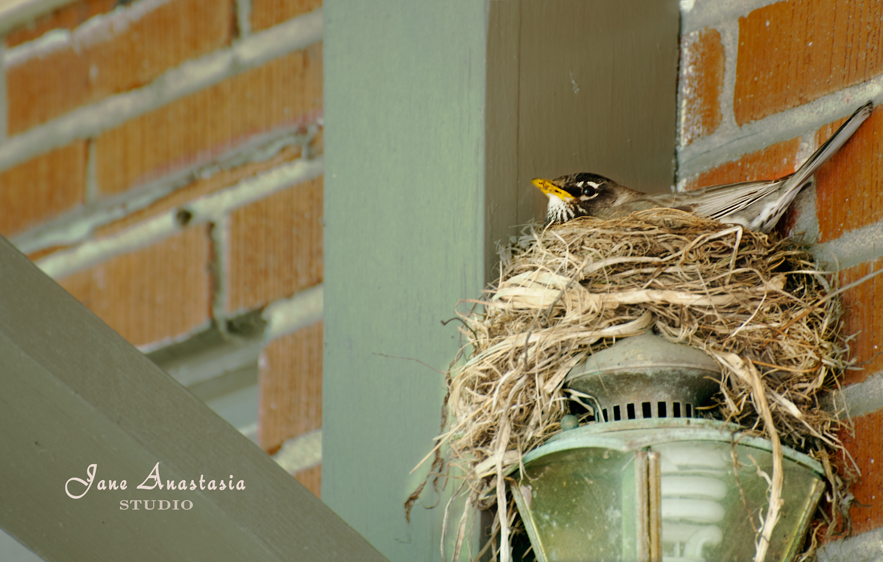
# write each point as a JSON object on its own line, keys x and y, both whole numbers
{"x": 756, "y": 205}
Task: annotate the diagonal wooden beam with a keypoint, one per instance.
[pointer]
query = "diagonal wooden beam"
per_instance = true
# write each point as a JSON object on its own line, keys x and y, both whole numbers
{"x": 73, "y": 393}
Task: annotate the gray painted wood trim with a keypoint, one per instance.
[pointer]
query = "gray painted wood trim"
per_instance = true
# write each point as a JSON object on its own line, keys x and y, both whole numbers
{"x": 437, "y": 115}
{"x": 74, "y": 393}
{"x": 404, "y": 214}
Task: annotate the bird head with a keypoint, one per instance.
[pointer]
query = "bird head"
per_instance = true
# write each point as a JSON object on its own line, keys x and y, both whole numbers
{"x": 576, "y": 195}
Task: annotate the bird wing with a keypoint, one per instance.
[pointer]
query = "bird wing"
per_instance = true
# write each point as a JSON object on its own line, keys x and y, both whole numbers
{"x": 718, "y": 201}
{"x": 722, "y": 200}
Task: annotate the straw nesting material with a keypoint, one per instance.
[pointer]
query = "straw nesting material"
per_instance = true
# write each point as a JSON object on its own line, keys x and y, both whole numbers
{"x": 573, "y": 289}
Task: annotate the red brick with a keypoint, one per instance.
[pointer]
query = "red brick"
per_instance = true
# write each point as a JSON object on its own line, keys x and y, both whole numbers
{"x": 702, "y": 81}
{"x": 794, "y": 52}
{"x": 42, "y": 188}
{"x": 866, "y": 447}
{"x": 290, "y": 402}
{"x": 849, "y": 185}
{"x": 311, "y": 478}
{"x": 771, "y": 162}
{"x": 317, "y": 143}
{"x": 199, "y": 188}
{"x": 275, "y": 247}
{"x": 863, "y": 317}
{"x": 153, "y": 294}
{"x": 115, "y": 59}
{"x": 284, "y": 92}
{"x": 65, "y": 17}
{"x": 267, "y": 13}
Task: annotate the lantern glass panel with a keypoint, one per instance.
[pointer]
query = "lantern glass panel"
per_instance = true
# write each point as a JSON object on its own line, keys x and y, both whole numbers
{"x": 578, "y": 503}
{"x": 581, "y": 497}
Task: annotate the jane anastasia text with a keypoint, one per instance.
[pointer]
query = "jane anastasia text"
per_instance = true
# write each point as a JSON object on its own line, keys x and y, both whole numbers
{"x": 76, "y": 488}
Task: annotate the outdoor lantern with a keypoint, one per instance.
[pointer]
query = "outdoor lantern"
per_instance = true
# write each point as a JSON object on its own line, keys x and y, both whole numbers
{"x": 651, "y": 482}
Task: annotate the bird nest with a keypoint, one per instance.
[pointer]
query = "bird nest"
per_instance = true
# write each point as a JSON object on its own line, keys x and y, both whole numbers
{"x": 759, "y": 305}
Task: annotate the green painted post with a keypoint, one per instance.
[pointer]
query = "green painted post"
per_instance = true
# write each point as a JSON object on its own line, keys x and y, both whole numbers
{"x": 437, "y": 114}
{"x": 404, "y": 204}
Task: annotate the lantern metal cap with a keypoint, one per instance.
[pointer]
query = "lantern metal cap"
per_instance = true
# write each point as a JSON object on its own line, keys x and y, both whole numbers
{"x": 646, "y": 376}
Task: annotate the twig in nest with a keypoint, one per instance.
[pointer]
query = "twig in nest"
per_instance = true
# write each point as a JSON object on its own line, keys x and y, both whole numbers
{"x": 749, "y": 374}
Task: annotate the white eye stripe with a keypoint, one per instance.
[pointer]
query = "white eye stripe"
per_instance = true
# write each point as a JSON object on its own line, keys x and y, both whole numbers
{"x": 585, "y": 183}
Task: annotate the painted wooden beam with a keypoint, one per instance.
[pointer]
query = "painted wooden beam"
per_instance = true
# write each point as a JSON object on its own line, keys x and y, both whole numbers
{"x": 74, "y": 394}
{"x": 404, "y": 207}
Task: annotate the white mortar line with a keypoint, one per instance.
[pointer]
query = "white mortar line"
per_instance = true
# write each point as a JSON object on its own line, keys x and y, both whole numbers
{"x": 77, "y": 226}
{"x": 243, "y": 17}
{"x": 806, "y": 223}
{"x": 220, "y": 241}
{"x": 209, "y": 208}
{"x": 866, "y": 547}
{"x": 864, "y": 397}
{"x": 853, "y": 247}
{"x": 696, "y": 14}
{"x": 301, "y": 452}
{"x": 97, "y": 29}
{"x": 726, "y": 145}
{"x": 289, "y": 315}
{"x": 190, "y": 77}
{"x": 686, "y": 69}
{"x": 730, "y": 42}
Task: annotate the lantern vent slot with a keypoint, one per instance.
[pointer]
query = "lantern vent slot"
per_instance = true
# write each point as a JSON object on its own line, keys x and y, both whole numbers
{"x": 646, "y": 409}
{"x": 647, "y": 377}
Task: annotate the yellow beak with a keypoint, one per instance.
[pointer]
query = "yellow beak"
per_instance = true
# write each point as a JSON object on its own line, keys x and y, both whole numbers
{"x": 550, "y": 189}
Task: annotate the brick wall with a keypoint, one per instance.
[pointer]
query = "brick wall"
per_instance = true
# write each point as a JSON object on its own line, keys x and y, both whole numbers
{"x": 162, "y": 160}
{"x": 762, "y": 85}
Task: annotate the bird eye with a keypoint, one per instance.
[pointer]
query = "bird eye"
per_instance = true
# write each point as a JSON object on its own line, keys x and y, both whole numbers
{"x": 590, "y": 189}
{"x": 583, "y": 187}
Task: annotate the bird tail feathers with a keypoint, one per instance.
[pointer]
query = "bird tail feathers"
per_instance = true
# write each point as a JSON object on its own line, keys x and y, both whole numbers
{"x": 828, "y": 149}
